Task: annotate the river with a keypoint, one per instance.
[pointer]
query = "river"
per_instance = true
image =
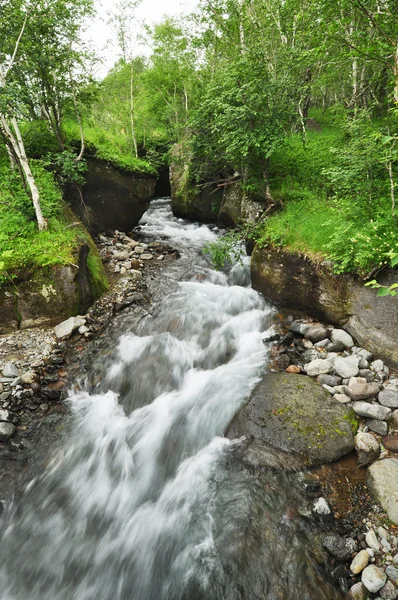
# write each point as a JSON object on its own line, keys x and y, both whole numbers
{"x": 144, "y": 499}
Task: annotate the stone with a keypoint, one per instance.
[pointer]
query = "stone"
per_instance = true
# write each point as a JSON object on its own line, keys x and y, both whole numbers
{"x": 7, "y": 430}
{"x": 146, "y": 256}
{"x": 8, "y": 416}
{"x": 28, "y": 377}
{"x": 322, "y": 510}
{"x": 392, "y": 574}
{"x": 339, "y": 547}
{"x": 367, "y": 374}
{"x": 135, "y": 275}
{"x": 389, "y": 397}
{"x": 362, "y": 391}
{"x": 339, "y": 335}
{"x": 10, "y": 370}
{"x": 358, "y": 592}
{"x": 374, "y": 411}
{"x": 377, "y": 426}
{"x": 394, "y": 419}
{"x": 372, "y": 541}
{"x": 322, "y": 343}
{"x": 331, "y": 380}
{"x": 295, "y": 414}
{"x": 123, "y": 270}
{"x": 377, "y": 366}
{"x": 119, "y": 256}
{"x": 388, "y": 592}
{"x": 299, "y": 327}
{"x": 346, "y": 367}
{"x": 382, "y": 481}
{"x": 335, "y": 347}
{"x": 316, "y": 333}
{"x": 361, "y": 560}
{"x": 317, "y": 367}
{"x": 342, "y": 398}
{"x": 386, "y": 545}
{"x": 64, "y": 330}
{"x": 367, "y": 448}
{"x": 365, "y": 354}
{"x": 373, "y": 578}
{"x": 329, "y": 389}
{"x": 293, "y": 369}
{"x": 391, "y": 443}
{"x": 83, "y": 329}
{"x": 383, "y": 533}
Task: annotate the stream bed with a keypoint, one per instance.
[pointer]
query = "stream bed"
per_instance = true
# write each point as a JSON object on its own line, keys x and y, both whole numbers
{"x": 144, "y": 499}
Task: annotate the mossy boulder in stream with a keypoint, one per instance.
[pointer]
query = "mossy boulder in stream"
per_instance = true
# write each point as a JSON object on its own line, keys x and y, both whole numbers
{"x": 293, "y": 413}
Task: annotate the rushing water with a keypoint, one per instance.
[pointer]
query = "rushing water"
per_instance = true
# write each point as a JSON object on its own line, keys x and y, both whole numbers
{"x": 145, "y": 500}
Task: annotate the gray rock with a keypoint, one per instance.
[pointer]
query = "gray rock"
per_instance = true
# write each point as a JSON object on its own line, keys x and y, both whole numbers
{"x": 331, "y": 380}
{"x": 389, "y": 397}
{"x": 300, "y": 328}
{"x": 317, "y": 367}
{"x": 339, "y": 547}
{"x": 322, "y": 343}
{"x": 83, "y": 329}
{"x": 360, "y": 561}
{"x": 365, "y": 354}
{"x": 341, "y": 389}
{"x": 294, "y": 413}
{"x": 339, "y": 335}
{"x": 316, "y": 333}
{"x": 383, "y": 533}
{"x": 363, "y": 363}
{"x": 377, "y": 366}
{"x": 358, "y": 592}
{"x": 65, "y": 329}
{"x": 386, "y": 545}
{"x": 335, "y": 347}
{"x": 28, "y": 377}
{"x": 367, "y": 374}
{"x": 7, "y": 430}
{"x": 377, "y": 426}
{"x": 392, "y": 574}
{"x": 362, "y": 391}
{"x": 388, "y": 592}
{"x": 394, "y": 419}
{"x": 373, "y": 578}
{"x": 329, "y": 389}
{"x": 10, "y": 370}
{"x": 8, "y": 417}
{"x": 372, "y": 541}
{"x": 309, "y": 355}
{"x": 123, "y": 255}
{"x": 373, "y": 411}
{"x": 146, "y": 256}
{"x": 342, "y": 398}
{"x": 346, "y": 367}
{"x": 322, "y": 510}
{"x": 367, "y": 448}
{"x": 382, "y": 481}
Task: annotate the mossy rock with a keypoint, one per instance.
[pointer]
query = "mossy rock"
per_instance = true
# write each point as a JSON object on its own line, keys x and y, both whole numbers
{"x": 293, "y": 413}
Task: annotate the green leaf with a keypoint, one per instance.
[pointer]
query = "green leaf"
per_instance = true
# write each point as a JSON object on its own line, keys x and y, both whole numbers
{"x": 383, "y": 291}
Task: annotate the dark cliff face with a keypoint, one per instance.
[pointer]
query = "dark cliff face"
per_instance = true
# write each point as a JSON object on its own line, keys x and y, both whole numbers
{"x": 112, "y": 198}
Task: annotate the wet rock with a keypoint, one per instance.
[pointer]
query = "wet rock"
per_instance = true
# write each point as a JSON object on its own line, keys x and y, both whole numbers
{"x": 331, "y": 380}
{"x": 10, "y": 370}
{"x": 346, "y": 367}
{"x": 373, "y": 578}
{"x": 294, "y": 413}
{"x": 8, "y": 417}
{"x": 339, "y": 335}
{"x": 339, "y": 547}
{"x": 389, "y": 397}
{"x": 322, "y": 510}
{"x": 388, "y": 592}
{"x": 299, "y": 328}
{"x": 367, "y": 448}
{"x": 362, "y": 391}
{"x": 316, "y": 333}
{"x": 120, "y": 256}
{"x": 318, "y": 366}
{"x": 372, "y": 541}
{"x": 377, "y": 426}
{"x": 28, "y": 377}
{"x": 374, "y": 411}
{"x": 358, "y": 592}
{"x": 65, "y": 329}
{"x": 382, "y": 481}
{"x": 7, "y": 430}
{"x": 360, "y": 561}
{"x": 392, "y": 574}
{"x": 391, "y": 443}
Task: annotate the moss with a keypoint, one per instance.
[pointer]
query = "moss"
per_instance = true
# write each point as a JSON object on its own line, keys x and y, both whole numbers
{"x": 99, "y": 280}
{"x": 352, "y": 419}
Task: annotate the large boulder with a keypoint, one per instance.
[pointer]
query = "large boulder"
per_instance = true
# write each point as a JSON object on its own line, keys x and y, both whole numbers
{"x": 295, "y": 414}
{"x": 382, "y": 481}
{"x": 113, "y": 197}
{"x": 297, "y": 283}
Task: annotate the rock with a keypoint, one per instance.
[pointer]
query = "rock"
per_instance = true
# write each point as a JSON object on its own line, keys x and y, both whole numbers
{"x": 339, "y": 335}
{"x": 382, "y": 481}
{"x": 391, "y": 443}
{"x": 123, "y": 255}
{"x": 360, "y": 561}
{"x": 318, "y": 366}
{"x": 10, "y": 370}
{"x": 386, "y": 545}
{"x": 293, "y": 369}
{"x": 374, "y": 411}
{"x": 135, "y": 275}
{"x": 339, "y": 547}
{"x": 394, "y": 419}
{"x": 146, "y": 256}
{"x": 83, "y": 329}
{"x": 365, "y": 354}
{"x": 367, "y": 448}
{"x": 7, "y": 430}
{"x": 331, "y": 380}
{"x": 342, "y": 398}
{"x": 329, "y": 389}
{"x": 316, "y": 333}
{"x": 362, "y": 391}
{"x": 388, "y": 592}
{"x": 377, "y": 366}
{"x": 358, "y": 592}
{"x": 335, "y": 347}
{"x": 392, "y": 574}
{"x": 367, "y": 374}
{"x": 372, "y": 541}
{"x": 299, "y": 328}
{"x": 123, "y": 270}
{"x": 373, "y": 578}
{"x": 322, "y": 343}
{"x": 383, "y": 533}
{"x": 8, "y": 416}
{"x": 377, "y": 426}
{"x": 346, "y": 367}
{"x": 28, "y": 377}
{"x": 295, "y": 414}
{"x": 389, "y": 397}
{"x": 64, "y": 330}
{"x": 322, "y": 510}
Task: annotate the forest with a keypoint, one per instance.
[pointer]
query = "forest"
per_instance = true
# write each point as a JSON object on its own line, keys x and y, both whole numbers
{"x": 296, "y": 100}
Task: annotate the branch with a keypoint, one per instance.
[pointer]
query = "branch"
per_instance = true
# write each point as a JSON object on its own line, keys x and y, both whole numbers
{"x": 16, "y": 47}
{"x": 363, "y": 8}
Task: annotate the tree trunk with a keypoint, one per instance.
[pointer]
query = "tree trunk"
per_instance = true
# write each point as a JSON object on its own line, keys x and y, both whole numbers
{"x": 132, "y": 111}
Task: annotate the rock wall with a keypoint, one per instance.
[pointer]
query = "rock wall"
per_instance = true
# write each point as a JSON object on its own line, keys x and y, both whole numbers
{"x": 297, "y": 283}
{"x": 113, "y": 198}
